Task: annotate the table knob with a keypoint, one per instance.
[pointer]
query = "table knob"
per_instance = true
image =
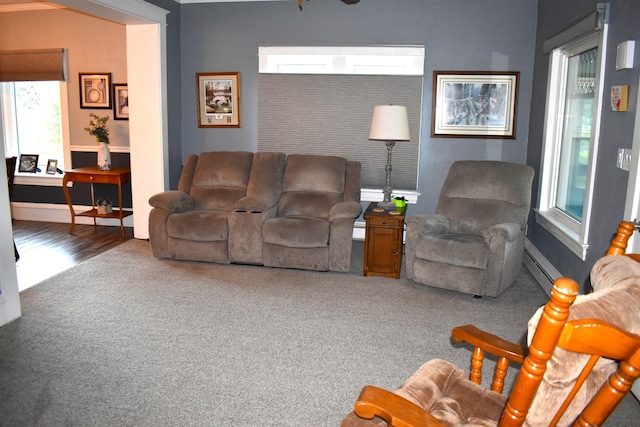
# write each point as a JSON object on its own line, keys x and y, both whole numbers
{"x": 384, "y": 222}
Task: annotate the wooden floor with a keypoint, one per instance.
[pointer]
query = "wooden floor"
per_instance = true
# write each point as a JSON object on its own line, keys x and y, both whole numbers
{"x": 47, "y": 248}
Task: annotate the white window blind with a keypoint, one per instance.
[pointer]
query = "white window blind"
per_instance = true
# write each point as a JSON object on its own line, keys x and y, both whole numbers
{"x": 323, "y": 104}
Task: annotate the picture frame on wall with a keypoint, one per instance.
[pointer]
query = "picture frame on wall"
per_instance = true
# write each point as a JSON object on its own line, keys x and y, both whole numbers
{"x": 28, "y": 163}
{"x": 95, "y": 90}
{"x": 474, "y": 104}
{"x": 120, "y": 101}
{"x": 218, "y": 99}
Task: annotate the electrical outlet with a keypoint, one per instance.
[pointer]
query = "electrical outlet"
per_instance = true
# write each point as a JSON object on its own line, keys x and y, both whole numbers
{"x": 624, "y": 158}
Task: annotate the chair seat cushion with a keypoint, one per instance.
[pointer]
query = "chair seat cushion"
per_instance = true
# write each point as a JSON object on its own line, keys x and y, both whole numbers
{"x": 200, "y": 226}
{"x": 464, "y": 250}
{"x": 444, "y": 390}
{"x": 296, "y": 232}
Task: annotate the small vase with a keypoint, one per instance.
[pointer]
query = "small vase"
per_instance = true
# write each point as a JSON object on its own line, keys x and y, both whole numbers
{"x": 104, "y": 157}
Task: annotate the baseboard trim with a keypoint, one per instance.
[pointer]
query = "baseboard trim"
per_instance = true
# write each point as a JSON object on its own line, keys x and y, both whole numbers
{"x": 542, "y": 270}
{"x": 60, "y": 213}
{"x": 3, "y": 311}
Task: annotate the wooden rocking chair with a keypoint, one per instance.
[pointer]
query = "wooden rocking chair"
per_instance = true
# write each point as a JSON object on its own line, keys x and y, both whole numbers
{"x": 581, "y": 362}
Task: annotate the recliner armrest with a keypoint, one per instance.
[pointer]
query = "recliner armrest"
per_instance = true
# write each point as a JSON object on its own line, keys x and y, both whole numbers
{"x": 172, "y": 201}
{"x": 253, "y": 204}
{"x": 345, "y": 210}
{"x": 508, "y": 231}
{"x": 430, "y": 223}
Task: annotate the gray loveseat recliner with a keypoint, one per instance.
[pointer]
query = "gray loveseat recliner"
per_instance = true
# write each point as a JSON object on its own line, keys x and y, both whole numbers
{"x": 475, "y": 241}
{"x": 259, "y": 208}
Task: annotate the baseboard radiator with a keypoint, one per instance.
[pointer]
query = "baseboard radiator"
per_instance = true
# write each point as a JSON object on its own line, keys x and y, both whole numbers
{"x": 540, "y": 268}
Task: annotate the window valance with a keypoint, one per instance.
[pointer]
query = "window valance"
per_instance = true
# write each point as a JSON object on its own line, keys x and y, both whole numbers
{"x": 32, "y": 65}
{"x": 581, "y": 26}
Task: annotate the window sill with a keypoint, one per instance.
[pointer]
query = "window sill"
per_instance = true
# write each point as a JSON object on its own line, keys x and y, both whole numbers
{"x": 556, "y": 225}
{"x": 376, "y": 195}
{"x": 40, "y": 179}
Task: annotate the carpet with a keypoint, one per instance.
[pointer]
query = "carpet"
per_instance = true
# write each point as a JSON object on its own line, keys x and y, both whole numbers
{"x": 129, "y": 340}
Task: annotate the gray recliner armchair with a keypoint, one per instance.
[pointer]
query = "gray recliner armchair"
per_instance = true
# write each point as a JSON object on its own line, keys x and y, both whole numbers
{"x": 474, "y": 243}
{"x": 313, "y": 228}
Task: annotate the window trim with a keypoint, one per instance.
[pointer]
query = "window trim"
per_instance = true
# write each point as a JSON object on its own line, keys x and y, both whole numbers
{"x": 573, "y": 234}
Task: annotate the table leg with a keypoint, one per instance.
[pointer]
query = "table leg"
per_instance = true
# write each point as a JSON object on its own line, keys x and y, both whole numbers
{"x": 120, "y": 208}
{"x": 65, "y": 190}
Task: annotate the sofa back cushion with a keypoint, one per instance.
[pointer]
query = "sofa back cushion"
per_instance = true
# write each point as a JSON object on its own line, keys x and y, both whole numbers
{"x": 615, "y": 299}
{"x": 220, "y": 179}
{"x": 479, "y": 194}
{"x": 311, "y": 185}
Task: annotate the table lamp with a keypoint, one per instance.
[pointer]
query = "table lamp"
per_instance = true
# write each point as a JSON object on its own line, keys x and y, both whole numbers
{"x": 390, "y": 124}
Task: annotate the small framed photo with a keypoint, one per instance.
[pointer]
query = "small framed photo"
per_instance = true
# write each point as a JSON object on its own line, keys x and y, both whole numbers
{"x": 95, "y": 90}
{"x": 28, "y": 163}
{"x": 218, "y": 99}
{"x": 120, "y": 101}
{"x": 474, "y": 104}
{"x": 52, "y": 166}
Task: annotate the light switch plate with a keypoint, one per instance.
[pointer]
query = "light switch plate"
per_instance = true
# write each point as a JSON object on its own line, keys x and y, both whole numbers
{"x": 624, "y": 158}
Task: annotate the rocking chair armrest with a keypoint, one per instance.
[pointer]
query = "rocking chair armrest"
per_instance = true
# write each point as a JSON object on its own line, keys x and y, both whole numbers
{"x": 489, "y": 342}
{"x": 394, "y": 409}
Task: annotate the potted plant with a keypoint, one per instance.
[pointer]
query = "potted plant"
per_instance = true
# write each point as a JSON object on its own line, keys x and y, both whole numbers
{"x": 98, "y": 128}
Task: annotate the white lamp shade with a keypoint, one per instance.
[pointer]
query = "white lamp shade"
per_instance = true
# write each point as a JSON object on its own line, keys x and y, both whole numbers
{"x": 389, "y": 123}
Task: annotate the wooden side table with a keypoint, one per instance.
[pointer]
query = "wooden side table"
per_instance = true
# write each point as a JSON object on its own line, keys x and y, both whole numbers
{"x": 94, "y": 175}
{"x": 383, "y": 242}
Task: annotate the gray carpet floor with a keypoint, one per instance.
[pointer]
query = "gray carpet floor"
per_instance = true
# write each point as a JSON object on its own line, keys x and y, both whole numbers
{"x": 125, "y": 339}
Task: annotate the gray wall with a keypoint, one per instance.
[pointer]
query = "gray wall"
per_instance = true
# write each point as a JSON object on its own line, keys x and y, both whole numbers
{"x": 616, "y": 131}
{"x": 174, "y": 76}
{"x": 496, "y": 35}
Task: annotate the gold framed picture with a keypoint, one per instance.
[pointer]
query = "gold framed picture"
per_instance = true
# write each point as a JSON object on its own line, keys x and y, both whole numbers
{"x": 218, "y": 99}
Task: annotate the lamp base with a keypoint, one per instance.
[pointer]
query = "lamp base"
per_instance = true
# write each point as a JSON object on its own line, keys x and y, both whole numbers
{"x": 389, "y": 206}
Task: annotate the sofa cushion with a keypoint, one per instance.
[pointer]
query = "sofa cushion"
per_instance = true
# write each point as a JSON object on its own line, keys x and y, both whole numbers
{"x": 307, "y": 204}
{"x": 616, "y": 299}
{"x": 296, "y": 232}
{"x": 463, "y": 250}
{"x": 323, "y": 174}
{"x": 216, "y": 198}
{"x": 220, "y": 179}
{"x": 201, "y": 226}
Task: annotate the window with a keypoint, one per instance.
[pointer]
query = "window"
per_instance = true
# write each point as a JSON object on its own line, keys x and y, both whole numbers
{"x": 574, "y": 99}
{"x": 320, "y": 100}
{"x": 33, "y": 116}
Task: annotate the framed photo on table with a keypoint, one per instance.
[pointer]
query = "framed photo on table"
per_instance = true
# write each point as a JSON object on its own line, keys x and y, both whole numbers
{"x": 120, "y": 101}
{"x": 474, "y": 104}
{"x": 95, "y": 90}
{"x": 218, "y": 99}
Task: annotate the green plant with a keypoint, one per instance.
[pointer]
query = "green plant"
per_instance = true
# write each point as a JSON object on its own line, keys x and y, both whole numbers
{"x": 98, "y": 127}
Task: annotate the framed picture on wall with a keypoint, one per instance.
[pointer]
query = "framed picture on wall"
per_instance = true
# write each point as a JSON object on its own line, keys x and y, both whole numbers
{"x": 218, "y": 99}
{"x": 95, "y": 90}
{"x": 474, "y": 104}
{"x": 120, "y": 101}
{"x": 28, "y": 163}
